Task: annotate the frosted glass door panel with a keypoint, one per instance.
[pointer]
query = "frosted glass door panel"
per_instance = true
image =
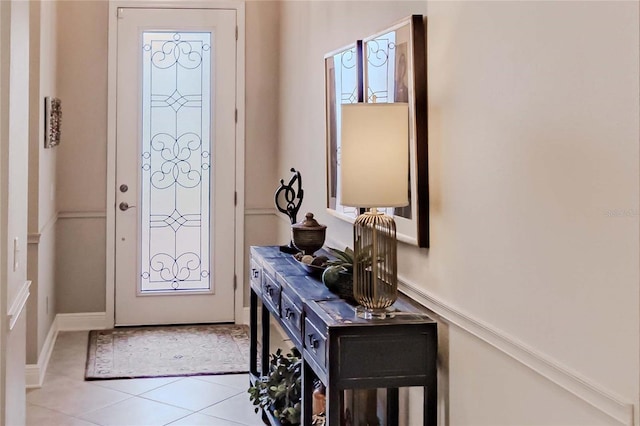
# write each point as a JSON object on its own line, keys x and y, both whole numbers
{"x": 175, "y": 162}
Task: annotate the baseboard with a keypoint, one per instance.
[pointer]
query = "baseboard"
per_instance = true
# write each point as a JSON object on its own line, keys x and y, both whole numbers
{"x": 82, "y": 321}
{"x": 34, "y": 373}
{"x": 245, "y": 315}
{"x": 33, "y": 376}
{"x": 593, "y": 394}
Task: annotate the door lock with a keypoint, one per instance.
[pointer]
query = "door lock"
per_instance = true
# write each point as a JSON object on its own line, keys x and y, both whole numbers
{"x": 124, "y": 206}
{"x": 124, "y": 188}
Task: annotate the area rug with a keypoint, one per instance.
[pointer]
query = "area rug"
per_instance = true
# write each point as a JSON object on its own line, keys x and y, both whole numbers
{"x": 189, "y": 350}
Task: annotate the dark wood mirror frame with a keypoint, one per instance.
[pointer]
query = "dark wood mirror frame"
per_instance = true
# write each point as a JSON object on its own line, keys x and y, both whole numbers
{"x": 389, "y": 66}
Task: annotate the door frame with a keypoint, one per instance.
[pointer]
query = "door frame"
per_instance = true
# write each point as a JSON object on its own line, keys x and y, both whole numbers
{"x": 239, "y": 7}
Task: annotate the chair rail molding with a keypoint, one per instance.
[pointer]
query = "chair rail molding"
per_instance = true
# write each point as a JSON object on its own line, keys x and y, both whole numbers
{"x": 260, "y": 212}
{"x": 19, "y": 302}
{"x": 602, "y": 399}
{"x": 34, "y": 238}
{"x": 102, "y": 214}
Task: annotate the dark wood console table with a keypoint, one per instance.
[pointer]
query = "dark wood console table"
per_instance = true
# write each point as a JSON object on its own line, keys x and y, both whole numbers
{"x": 342, "y": 350}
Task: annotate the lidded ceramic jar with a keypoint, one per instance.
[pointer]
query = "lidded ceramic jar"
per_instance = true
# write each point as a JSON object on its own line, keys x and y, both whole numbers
{"x": 308, "y": 235}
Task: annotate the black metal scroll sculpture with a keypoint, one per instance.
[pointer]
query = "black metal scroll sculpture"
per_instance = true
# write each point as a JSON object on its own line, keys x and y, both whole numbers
{"x": 292, "y": 199}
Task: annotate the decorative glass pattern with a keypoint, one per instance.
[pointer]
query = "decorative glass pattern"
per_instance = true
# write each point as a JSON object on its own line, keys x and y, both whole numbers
{"x": 380, "y": 74}
{"x": 386, "y": 81}
{"x": 175, "y": 162}
{"x": 343, "y": 77}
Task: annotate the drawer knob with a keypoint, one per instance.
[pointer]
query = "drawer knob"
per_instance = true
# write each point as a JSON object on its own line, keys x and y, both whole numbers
{"x": 254, "y": 273}
{"x": 313, "y": 342}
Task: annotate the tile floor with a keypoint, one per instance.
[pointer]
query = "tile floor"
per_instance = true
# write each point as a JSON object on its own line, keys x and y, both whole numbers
{"x": 65, "y": 399}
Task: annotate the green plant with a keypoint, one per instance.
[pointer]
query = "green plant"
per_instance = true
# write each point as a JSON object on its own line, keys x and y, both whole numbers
{"x": 280, "y": 390}
{"x": 338, "y": 276}
{"x": 343, "y": 261}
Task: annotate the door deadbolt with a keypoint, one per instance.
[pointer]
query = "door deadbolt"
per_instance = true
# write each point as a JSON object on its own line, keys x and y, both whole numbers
{"x": 124, "y": 188}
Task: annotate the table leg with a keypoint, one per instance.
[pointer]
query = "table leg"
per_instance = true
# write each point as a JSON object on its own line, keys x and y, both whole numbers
{"x": 430, "y": 406}
{"x": 431, "y": 388}
{"x": 253, "y": 334}
{"x": 307, "y": 393}
{"x": 334, "y": 409}
{"x": 266, "y": 318}
{"x": 393, "y": 410}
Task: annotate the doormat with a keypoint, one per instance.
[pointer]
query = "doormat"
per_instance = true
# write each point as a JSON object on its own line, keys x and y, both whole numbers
{"x": 167, "y": 351}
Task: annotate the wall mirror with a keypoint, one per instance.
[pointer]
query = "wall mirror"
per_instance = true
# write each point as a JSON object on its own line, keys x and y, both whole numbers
{"x": 343, "y": 85}
{"x": 389, "y": 66}
{"x": 395, "y": 71}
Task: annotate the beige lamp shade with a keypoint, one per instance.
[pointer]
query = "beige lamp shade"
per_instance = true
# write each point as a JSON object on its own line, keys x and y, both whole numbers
{"x": 374, "y": 157}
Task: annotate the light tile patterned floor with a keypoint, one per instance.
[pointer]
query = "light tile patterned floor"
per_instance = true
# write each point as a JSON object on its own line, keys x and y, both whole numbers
{"x": 67, "y": 400}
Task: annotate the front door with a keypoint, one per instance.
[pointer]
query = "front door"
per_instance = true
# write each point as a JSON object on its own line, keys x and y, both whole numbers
{"x": 175, "y": 166}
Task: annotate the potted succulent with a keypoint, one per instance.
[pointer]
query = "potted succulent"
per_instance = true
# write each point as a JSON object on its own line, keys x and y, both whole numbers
{"x": 279, "y": 392}
{"x": 338, "y": 276}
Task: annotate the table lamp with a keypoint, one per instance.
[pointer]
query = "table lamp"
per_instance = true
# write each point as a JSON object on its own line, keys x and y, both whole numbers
{"x": 374, "y": 173}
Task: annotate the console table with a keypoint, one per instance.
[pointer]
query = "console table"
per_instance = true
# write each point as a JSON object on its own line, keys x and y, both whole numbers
{"x": 340, "y": 349}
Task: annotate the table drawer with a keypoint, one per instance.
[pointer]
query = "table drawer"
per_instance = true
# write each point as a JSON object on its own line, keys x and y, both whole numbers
{"x": 388, "y": 355}
{"x": 291, "y": 315}
{"x": 315, "y": 343}
{"x": 271, "y": 293}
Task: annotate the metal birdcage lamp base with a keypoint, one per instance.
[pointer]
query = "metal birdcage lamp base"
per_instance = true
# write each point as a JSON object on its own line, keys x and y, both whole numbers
{"x": 375, "y": 271}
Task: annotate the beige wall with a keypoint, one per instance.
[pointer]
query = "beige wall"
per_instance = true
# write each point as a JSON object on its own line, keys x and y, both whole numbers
{"x": 81, "y": 171}
{"x": 540, "y": 142}
{"x": 261, "y": 127}
{"x": 533, "y": 142}
{"x": 80, "y": 265}
{"x": 533, "y": 111}
{"x": 262, "y": 94}
{"x": 81, "y": 174}
{"x": 82, "y": 79}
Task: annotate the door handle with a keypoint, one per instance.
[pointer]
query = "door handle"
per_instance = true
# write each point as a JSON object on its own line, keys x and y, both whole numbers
{"x": 124, "y": 206}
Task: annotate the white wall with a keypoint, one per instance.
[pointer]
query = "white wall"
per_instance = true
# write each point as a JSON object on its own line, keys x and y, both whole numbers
{"x": 5, "y": 59}
{"x": 533, "y": 146}
{"x": 42, "y": 178}
{"x": 18, "y": 147}
{"x": 14, "y": 123}
{"x": 15, "y": 402}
